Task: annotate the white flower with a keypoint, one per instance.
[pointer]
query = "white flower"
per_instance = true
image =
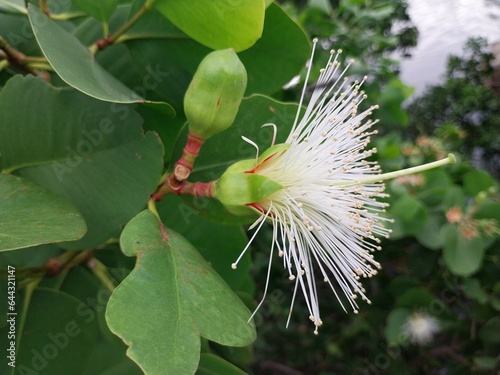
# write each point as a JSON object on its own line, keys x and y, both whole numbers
{"x": 421, "y": 327}
{"x": 322, "y": 200}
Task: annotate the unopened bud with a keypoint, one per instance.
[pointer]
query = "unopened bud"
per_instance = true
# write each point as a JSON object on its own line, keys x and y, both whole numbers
{"x": 241, "y": 189}
{"x": 214, "y": 95}
{"x": 238, "y": 190}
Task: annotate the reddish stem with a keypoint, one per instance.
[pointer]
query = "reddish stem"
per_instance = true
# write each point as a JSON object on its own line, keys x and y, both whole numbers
{"x": 172, "y": 185}
{"x": 111, "y": 39}
{"x": 176, "y": 182}
{"x": 184, "y": 166}
{"x": 17, "y": 59}
{"x": 197, "y": 189}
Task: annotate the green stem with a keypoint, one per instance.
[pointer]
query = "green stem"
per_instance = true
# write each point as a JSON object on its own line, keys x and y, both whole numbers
{"x": 451, "y": 159}
{"x": 3, "y": 64}
{"x": 152, "y": 208}
{"x": 66, "y": 16}
{"x": 101, "y": 272}
{"x": 41, "y": 66}
{"x": 34, "y": 59}
{"x": 111, "y": 39}
{"x": 30, "y": 288}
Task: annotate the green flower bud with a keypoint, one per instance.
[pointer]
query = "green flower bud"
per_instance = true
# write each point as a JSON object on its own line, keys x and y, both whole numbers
{"x": 241, "y": 185}
{"x": 214, "y": 95}
{"x": 236, "y": 189}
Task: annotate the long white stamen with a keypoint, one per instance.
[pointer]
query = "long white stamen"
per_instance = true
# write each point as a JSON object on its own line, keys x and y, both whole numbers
{"x": 263, "y": 220}
{"x": 315, "y": 41}
{"x": 267, "y": 277}
{"x": 275, "y": 133}
{"x": 249, "y": 141}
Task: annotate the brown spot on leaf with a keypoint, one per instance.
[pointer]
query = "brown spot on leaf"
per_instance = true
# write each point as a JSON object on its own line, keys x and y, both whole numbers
{"x": 164, "y": 233}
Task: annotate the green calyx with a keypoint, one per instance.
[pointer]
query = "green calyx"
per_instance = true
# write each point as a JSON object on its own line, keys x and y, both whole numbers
{"x": 237, "y": 188}
{"x": 215, "y": 93}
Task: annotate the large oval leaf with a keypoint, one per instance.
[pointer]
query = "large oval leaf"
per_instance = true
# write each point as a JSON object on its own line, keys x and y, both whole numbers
{"x": 91, "y": 152}
{"x": 171, "y": 298}
{"x": 33, "y": 216}
{"x": 74, "y": 62}
{"x": 217, "y": 24}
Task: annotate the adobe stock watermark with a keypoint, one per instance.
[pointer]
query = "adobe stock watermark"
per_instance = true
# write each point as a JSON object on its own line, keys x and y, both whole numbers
{"x": 90, "y": 139}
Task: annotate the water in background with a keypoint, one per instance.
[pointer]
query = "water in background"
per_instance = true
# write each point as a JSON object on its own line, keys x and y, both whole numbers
{"x": 444, "y": 26}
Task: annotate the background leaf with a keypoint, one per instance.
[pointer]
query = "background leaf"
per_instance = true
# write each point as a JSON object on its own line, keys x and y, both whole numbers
{"x": 101, "y": 10}
{"x": 32, "y": 216}
{"x": 394, "y": 329}
{"x": 210, "y": 364}
{"x": 52, "y": 337}
{"x": 463, "y": 257}
{"x": 217, "y": 24}
{"x": 176, "y": 296}
{"x": 93, "y": 153}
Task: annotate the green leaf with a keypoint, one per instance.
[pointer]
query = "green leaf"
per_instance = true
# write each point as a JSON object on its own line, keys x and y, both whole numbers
{"x": 29, "y": 257}
{"x": 477, "y": 181}
{"x": 463, "y": 257}
{"x": 107, "y": 356}
{"x": 472, "y": 288}
{"x": 52, "y": 337}
{"x": 74, "y": 62}
{"x": 217, "y": 24}
{"x": 394, "y": 332}
{"x": 454, "y": 197}
{"x": 437, "y": 184}
{"x": 99, "y": 9}
{"x": 429, "y": 235}
{"x": 92, "y": 153}
{"x": 17, "y": 32}
{"x": 228, "y": 240}
{"x": 171, "y": 298}
{"x": 278, "y": 56}
{"x": 416, "y": 298}
{"x": 210, "y": 364}
{"x": 410, "y": 216}
{"x": 489, "y": 332}
{"x": 488, "y": 210}
{"x": 32, "y": 216}
{"x": 488, "y": 363}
